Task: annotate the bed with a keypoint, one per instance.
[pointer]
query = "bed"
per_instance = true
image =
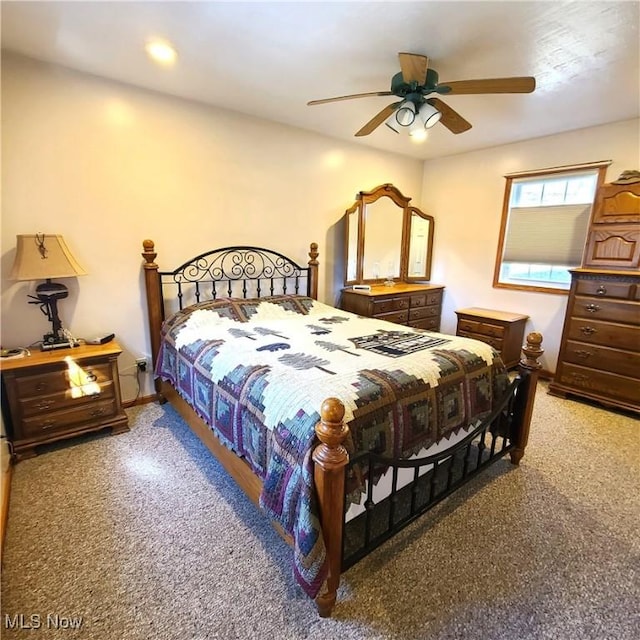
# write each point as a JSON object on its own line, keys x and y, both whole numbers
{"x": 342, "y": 429}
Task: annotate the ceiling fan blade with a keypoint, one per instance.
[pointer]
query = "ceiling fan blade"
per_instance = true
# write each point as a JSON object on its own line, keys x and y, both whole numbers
{"x": 355, "y": 95}
{"x": 414, "y": 67}
{"x": 450, "y": 118}
{"x": 525, "y": 84}
{"x": 378, "y": 119}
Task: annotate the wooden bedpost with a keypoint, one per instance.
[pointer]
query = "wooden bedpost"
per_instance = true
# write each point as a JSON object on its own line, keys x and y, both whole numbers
{"x": 154, "y": 300}
{"x": 313, "y": 270}
{"x": 330, "y": 458}
{"x": 529, "y": 369}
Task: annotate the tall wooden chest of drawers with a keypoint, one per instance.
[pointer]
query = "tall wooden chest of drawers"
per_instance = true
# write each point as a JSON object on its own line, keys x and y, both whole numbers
{"x": 53, "y": 395}
{"x": 415, "y": 305}
{"x": 600, "y": 352}
{"x": 503, "y": 330}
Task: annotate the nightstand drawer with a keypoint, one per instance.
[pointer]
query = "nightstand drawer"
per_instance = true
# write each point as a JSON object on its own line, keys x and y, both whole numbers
{"x": 58, "y": 380}
{"x": 482, "y": 328}
{"x": 66, "y": 399}
{"x": 62, "y": 420}
{"x": 496, "y": 343}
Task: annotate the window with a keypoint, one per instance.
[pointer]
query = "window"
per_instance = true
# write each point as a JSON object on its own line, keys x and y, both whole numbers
{"x": 545, "y": 219}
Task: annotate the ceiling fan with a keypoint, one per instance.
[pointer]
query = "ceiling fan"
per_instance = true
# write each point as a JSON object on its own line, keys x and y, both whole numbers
{"x": 415, "y": 83}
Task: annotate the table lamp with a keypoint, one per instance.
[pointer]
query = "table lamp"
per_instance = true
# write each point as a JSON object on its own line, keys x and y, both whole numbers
{"x": 46, "y": 257}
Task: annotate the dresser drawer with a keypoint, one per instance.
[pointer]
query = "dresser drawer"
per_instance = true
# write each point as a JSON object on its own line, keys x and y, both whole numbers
{"x": 626, "y": 363}
{"x": 40, "y": 426}
{"x": 419, "y": 300}
{"x": 58, "y": 380}
{"x": 611, "y": 310}
{"x": 424, "y": 312}
{"x": 604, "y": 289}
{"x": 430, "y": 324}
{"x": 601, "y": 382}
{"x": 604, "y": 333}
{"x": 390, "y": 304}
{"x": 66, "y": 399}
{"x": 482, "y": 328}
{"x": 399, "y": 317}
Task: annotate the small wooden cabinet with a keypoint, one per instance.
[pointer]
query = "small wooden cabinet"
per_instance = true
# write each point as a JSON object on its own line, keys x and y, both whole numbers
{"x": 414, "y": 305}
{"x": 503, "y": 330}
{"x": 53, "y": 395}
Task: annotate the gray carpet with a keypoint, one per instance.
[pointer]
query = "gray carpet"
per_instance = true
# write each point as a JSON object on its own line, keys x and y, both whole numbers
{"x": 142, "y": 535}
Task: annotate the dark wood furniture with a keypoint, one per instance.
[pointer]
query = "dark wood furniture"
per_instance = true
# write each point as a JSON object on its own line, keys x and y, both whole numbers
{"x": 503, "y": 330}
{"x": 255, "y": 272}
{"x": 54, "y": 395}
{"x": 599, "y": 355}
{"x": 415, "y": 305}
{"x": 600, "y": 351}
{"x": 613, "y": 240}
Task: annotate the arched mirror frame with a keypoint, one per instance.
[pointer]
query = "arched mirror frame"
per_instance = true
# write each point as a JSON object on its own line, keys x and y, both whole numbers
{"x": 355, "y": 227}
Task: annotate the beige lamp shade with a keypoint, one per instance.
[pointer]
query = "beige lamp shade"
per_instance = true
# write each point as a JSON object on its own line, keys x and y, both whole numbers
{"x": 41, "y": 257}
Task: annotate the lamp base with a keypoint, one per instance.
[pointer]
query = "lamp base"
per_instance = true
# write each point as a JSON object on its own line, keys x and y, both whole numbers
{"x": 50, "y": 342}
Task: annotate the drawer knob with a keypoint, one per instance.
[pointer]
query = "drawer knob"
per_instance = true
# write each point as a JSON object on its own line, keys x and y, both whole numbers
{"x": 48, "y": 424}
{"x": 41, "y": 386}
{"x": 583, "y": 353}
{"x": 601, "y": 291}
{"x": 97, "y": 412}
{"x": 588, "y": 331}
{"x": 91, "y": 377}
{"x": 592, "y": 308}
{"x": 43, "y": 405}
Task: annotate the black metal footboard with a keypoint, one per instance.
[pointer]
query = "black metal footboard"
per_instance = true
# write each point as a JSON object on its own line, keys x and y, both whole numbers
{"x": 431, "y": 479}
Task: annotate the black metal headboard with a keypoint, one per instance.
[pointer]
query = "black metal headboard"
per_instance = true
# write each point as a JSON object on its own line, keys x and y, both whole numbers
{"x": 235, "y": 272}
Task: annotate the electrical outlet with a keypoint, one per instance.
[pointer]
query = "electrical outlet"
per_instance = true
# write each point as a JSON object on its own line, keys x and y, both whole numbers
{"x": 141, "y": 363}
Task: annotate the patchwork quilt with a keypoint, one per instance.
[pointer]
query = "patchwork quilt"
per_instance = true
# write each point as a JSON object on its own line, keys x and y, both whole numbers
{"x": 258, "y": 370}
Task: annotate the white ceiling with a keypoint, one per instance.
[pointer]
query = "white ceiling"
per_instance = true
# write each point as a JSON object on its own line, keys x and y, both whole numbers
{"x": 267, "y": 59}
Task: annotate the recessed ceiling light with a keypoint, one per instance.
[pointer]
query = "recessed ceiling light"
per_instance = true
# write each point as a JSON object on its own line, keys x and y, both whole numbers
{"x": 161, "y": 52}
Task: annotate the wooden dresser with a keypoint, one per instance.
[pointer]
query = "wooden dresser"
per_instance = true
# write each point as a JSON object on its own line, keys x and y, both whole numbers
{"x": 599, "y": 355}
{"x": 415, "y": 305}
{"x": 53, "y": 395}
{"x": 503, "y": 330}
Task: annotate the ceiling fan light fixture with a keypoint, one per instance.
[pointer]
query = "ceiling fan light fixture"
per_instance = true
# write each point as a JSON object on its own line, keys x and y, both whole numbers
{"x": 429, "y": 115}
{"x": 417, "y": 131}
{"x": 406, "y": 114}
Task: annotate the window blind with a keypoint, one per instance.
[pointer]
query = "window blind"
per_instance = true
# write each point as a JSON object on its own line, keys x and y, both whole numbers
{"x": 547, "y": 235}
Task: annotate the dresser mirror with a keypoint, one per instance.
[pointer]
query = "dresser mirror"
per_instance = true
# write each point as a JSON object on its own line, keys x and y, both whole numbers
{"x": 386, "y": 239}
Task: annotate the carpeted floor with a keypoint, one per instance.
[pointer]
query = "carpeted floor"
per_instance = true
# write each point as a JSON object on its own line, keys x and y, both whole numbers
{"x": 143, "y": 536}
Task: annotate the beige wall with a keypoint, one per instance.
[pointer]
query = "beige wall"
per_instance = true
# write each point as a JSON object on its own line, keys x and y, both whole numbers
{"x": 107, "y": 165}
{"x": 465, "y": 194}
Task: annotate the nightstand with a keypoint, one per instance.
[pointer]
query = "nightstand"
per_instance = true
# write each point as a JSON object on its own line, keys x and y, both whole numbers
{"x": 503, "y": 330}
{"x": 54, "y": 395}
